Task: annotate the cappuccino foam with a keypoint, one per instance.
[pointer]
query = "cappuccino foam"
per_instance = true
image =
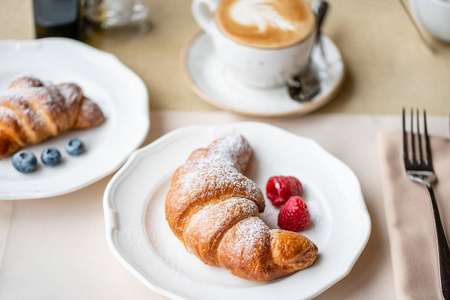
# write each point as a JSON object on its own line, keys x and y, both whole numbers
{"x": 266, "y": 24}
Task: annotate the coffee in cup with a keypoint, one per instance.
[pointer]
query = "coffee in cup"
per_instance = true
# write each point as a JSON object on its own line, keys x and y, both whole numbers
{"x": 260, "y": 43}
{"x": 267, "y": 24}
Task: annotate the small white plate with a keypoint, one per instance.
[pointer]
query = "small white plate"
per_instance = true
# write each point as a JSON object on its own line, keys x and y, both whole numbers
{"x": 118, "y": 91}
{"x": 139, "y": 236}
{"x": 207, "y": 78}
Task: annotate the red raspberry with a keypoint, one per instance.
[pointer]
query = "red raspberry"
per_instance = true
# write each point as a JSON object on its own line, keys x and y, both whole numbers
{"x": 294, "y": 216}
{"x": 280, "y": 188}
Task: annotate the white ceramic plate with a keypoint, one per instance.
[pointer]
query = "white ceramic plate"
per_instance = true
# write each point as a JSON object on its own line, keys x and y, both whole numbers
{"x": 140, "y": 238}
{"x": 118, "y": 91}
{"x": 208, "y": 79}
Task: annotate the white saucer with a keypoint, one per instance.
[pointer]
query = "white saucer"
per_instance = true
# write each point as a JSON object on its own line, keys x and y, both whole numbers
{"x": 208, "y": 80}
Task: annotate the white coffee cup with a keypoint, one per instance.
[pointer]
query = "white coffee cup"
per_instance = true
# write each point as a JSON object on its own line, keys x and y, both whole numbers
{"x": 434, "y": 15}
{"x": 255, "y": 67}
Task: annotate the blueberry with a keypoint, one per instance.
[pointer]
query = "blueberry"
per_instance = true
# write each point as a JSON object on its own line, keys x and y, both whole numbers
{"x": 51, "y": 157}
{"x": 74, "y": 146}
{"x": 24, "y": 161}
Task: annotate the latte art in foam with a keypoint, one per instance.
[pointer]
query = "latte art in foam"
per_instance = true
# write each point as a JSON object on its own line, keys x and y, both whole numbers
{"x": 258, "y": 13}
{"x": 265, "y": 23}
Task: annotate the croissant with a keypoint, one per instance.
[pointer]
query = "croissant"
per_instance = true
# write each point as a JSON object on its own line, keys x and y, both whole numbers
{"x": 213, "y": 209}
{"x": 31, "y": 111}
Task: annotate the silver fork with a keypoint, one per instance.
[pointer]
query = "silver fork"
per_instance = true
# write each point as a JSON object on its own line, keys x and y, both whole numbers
{"x": 420, "y": 169}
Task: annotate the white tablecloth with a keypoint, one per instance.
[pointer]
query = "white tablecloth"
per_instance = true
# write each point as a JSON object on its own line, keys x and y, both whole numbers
{"x": 56, "y": 248}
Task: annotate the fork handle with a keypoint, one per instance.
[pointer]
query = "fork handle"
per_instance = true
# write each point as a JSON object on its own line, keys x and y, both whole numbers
{"x": 443, "y": 250}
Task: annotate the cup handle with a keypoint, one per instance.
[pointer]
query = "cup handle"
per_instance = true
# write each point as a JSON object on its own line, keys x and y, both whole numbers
{"x": 203, "y": 12}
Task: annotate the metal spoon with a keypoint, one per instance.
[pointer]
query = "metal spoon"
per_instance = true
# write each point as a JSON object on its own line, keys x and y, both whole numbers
{"x": 305, "y": 86}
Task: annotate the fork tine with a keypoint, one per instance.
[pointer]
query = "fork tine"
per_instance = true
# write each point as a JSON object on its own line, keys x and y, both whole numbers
{"x": 427, "y": 140}
{"x": 405, "y": 138}
{"x": 419, "y": 137}
{"x": 413, "y": 148}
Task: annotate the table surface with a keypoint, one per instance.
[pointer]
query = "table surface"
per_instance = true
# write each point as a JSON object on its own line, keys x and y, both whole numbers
{"x": 388, "y": 67}
{"x": 387, "y": 64}
{"x": 56, "y": 248}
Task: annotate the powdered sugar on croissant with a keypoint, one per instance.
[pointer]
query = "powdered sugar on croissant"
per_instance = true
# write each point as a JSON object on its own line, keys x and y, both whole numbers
{"x": 214, "y": 210}
{"x": 31, "y": 111}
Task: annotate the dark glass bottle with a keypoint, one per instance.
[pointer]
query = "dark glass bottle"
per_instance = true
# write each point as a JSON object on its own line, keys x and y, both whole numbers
{"x": 60, "y": 18}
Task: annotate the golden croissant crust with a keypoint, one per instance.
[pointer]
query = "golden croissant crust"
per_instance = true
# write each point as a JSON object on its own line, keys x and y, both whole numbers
{"x": 31, "y": 111}
{"x": 214, "y": 210}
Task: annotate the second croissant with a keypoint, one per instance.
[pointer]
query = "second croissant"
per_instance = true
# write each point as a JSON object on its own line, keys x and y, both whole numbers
{"x": 31, "y": 111}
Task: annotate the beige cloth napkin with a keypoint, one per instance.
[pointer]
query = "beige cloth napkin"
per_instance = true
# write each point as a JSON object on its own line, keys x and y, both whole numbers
{"x": 409, "y": 217}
